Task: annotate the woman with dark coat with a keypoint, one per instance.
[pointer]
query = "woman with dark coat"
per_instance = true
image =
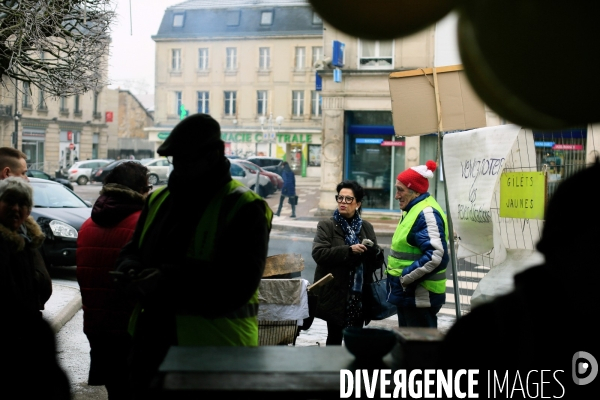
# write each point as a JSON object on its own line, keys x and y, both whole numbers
{"x": 288, "y": 189}
{"x": 106, "y": 311}
{"x": 25, "y": 286}
{"x": 338, "y": 249}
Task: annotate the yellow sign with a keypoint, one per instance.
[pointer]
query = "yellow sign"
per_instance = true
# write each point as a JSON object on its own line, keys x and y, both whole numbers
{"x": 523, "y": 195}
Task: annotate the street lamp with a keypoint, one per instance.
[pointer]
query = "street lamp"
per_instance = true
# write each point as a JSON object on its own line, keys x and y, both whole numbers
{"x": 15, "y": 138}
{"x": 269, "y": 132}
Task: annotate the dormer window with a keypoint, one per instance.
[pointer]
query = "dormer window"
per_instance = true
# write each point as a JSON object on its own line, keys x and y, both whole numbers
{"x": 233, "y": 18}
{"x": 316, "y": 20}
{"x": 178, "y": 20}
{"x": 266, "y": 18}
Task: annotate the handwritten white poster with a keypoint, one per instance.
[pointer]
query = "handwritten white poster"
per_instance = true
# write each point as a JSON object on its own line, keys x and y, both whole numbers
{"x": 473, "y": 162}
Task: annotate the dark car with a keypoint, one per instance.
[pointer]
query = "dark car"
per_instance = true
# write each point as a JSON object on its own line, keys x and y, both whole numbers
{"x": 271, "y": 164}
{"x": 36, "y": 173}
{"x": 60, "y": 213}
{"x": 99, "y": 174}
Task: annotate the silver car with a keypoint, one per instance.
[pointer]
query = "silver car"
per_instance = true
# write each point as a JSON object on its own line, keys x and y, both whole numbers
{"x": 81, "y": 171}
{"x": 159, "y": 170}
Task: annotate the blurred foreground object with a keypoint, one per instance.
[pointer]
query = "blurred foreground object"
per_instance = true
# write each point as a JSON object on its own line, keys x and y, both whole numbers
{"x": 382, "y": 19}
{"x": 519, "y": 55}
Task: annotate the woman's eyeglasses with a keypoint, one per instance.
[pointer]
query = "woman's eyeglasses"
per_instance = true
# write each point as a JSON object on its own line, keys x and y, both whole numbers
{"x": 345, "y": 199}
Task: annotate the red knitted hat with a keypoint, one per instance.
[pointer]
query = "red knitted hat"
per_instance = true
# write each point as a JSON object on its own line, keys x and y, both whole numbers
{"x": 416, "y": 178}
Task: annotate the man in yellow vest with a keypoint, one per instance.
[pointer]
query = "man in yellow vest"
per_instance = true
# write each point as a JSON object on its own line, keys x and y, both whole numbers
{"x": 197, "y": 255}
{"x": 419, "y": 251}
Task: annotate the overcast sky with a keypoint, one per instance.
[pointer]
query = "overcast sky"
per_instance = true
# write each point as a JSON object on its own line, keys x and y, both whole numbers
{"x": 131, "y": 63}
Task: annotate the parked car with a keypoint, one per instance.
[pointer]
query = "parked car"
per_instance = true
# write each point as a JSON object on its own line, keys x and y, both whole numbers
{"x": 36, "y": 173}
{"x": 276, "y": 181}
{"x": 159, "y": 170}
{"x": 99, "y": 174}
{"x": 60, "y": 213}
{"x": 81, "y": 171}
{"x": 272, "y": 164}
{"x": 247, "y": 177}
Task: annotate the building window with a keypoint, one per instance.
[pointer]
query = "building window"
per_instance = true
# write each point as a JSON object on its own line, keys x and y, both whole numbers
{"x": 178, "y": 20}
{"x": 264, "y": 58}
{"x": 178, "y": 101}
{"x": 376, "y": 53}
{"x": 314, "y": 155}
{"x": 76, "y": 106}
{"x": 26, "y": 95}
{"x": 231, "y": 58}
{"x": 230, "y": 98}
{"x": 203, "y": 98}
{"x": 300, "y": 57}
{"x": 317, "y": 54}
{"x": 95, "y": 141}
{"x": 42, "y": 100}
{"x": 316, "y": 19}
{"x": 297, "y": 103}
{"x": 203, "y": 59}
{"x": 266, "y": 18}
{"x": 63, "y": 104}
{"x": 261, "y": 102}
{"x": 96, "y": 94}
{"x": 315, "y": 103}
{"x": 175, "y": 60}
{"x": 233, "y": 18}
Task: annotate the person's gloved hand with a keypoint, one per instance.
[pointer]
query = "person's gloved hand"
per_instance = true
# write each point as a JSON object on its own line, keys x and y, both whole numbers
{"x": 138, "y": 284}
{"x": 130, "y": 265}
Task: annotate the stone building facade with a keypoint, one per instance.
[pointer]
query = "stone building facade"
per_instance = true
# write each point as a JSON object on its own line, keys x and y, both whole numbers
{"x": 249, "y": 64}
{"x": 47, "y": 128}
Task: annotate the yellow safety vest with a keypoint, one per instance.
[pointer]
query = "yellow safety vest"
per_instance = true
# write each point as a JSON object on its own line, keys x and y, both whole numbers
{"x": 240, "y": 327}
{"x": 402, "y": 254}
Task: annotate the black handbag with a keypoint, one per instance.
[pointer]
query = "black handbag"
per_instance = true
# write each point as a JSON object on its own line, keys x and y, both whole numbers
{"x": 293, "y": 200}
{"x": 377, "y": 308}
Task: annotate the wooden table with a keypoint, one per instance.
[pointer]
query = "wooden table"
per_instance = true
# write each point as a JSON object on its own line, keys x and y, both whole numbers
{"x": 264, "y": 371}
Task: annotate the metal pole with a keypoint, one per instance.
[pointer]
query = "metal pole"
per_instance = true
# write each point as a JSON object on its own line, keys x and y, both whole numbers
{"x": 15, "y": 138}
{"x": 450, "y": 231}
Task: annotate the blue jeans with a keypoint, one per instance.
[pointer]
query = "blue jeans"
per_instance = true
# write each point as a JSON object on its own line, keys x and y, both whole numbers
{"x": 418, "y": 317}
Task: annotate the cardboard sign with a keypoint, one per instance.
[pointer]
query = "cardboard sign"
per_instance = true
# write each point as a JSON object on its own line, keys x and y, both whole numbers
{"x": 523, "y": 195}
{"x": 473, "y": 163}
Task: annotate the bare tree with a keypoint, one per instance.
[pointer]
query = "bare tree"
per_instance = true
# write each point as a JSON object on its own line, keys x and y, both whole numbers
{"x": 60, "y": 46}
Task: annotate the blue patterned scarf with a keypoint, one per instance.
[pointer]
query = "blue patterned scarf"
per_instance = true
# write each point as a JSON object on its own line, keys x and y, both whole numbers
{"x": 351, "y": 230}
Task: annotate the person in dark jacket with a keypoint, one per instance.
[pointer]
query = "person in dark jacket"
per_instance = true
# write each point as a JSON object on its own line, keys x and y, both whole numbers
{"x": 338, "y": 249}
{"x": 288, "y": 189}
{"x": 25, "y": 286}
{"x": 24, "y": 278}
{"x": 106, "y": 311}
{"x": 195, "y": 264}
{"x": 545, "y": 325}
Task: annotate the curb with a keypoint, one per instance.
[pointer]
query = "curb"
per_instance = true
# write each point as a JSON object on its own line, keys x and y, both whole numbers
{"x": 66, "y": 313}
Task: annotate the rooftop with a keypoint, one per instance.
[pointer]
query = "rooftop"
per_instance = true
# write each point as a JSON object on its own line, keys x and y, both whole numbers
{"x": 239, "y": 18}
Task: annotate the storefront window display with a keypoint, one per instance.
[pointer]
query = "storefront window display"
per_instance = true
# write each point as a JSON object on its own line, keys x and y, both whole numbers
{"x": 314, "y": 155}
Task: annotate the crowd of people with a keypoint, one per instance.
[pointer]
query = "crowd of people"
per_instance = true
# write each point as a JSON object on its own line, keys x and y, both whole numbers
{"x": 145, "y": 258}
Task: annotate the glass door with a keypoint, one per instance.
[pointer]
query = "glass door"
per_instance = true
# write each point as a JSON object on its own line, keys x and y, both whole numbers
{"x": 34, "y": 150}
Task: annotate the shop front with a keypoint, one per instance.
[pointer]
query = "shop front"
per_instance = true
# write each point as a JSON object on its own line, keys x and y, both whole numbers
{"x": 374, "y": 156}
{"x": 301, "y": 148}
